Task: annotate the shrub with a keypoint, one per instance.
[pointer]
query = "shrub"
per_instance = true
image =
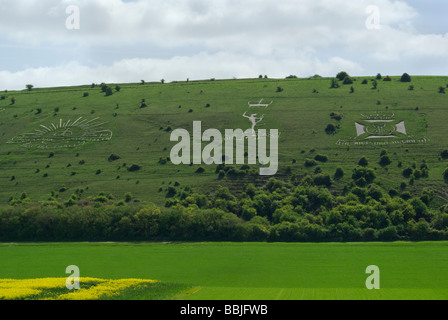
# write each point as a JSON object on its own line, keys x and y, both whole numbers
{"x": 109, "y": 91}
{"x": 113, "y": 157}
{"x": 134, "y": 168}
{"x": 405, "y": 78}
{"x": 86, "y": 94}
{"x": 200, "y": 170}
{"x": 342, "y": 75}
{"x": 408, "y": 172}
{"x": 321, "y": 158}
{"x": 103, "y": 87}
{"x": 171, "y": 192}
{"x": 387, "y": 78}
{"x": 334, "y": 84}
{"x": 365, "y": 173}
{"x": 310, "y": 163}
{"x": 128, "y": 197}
{"x": 339, "y": 173}
{"x": 322, "y": 180}
{"x": 347, "y": 80}
{"x": 385, "y": 161}
{"x": 445, "y": 174}
{"x": 363, "y": 162}
{"x": 330, "y": 129}
{"x": 336, "y": 116}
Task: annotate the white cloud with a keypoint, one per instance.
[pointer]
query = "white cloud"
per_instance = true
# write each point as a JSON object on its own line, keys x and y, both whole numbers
{"x": 200, "y": 66}
{"x": 229, "y": 37}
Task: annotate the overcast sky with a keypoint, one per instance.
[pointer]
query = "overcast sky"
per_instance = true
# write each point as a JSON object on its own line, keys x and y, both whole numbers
{"x": 128, "y": 41}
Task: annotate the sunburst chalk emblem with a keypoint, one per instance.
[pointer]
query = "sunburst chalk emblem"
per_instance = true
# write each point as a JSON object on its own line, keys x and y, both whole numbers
{"x": 66, "y": 134}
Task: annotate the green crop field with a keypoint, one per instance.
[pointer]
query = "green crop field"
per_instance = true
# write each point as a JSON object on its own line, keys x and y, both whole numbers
{"x": 242, "y": 271}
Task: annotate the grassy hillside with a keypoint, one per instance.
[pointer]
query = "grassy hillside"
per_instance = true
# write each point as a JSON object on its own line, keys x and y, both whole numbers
{"x": 141, "y": 136}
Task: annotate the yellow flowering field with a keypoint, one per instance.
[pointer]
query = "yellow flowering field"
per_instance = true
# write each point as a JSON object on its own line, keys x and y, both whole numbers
{"x": 55, "y": 288}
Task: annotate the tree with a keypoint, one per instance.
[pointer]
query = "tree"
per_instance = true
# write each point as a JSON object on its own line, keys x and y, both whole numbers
{"x": 385, "y": 161}
{"x": 365, "y": 173}
{"x": 109, "y": 91}
{"x": 29, "y": 87}
{"x": 322, "y": 179}
{"x": 321, "y": 158}
{"x": 339, "y": 173}
{"x": 334, "y": 84}
{"x": 379, "y": 76}
{"x": 342, "y": 75}
{"x": 162, "y": 81}
{"x": 347, "y": 80}
{"x": 330, "y": 129}
{"x": 405, "y": 78}
{"x": 117, "y": 88}
{"x": 445, "y": 175}
{"x": 363, "y": 162}
{"x": 441, "y": 90}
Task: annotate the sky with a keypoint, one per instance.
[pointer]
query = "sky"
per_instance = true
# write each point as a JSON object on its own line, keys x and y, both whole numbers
{"x": 74, "y": 42}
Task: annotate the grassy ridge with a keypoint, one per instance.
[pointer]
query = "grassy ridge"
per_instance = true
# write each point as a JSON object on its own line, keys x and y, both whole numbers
{"x": 248, "y": 270}
{"x": 140, "y": 135}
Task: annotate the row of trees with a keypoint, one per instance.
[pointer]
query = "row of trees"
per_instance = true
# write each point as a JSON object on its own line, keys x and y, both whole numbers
{"x": 346, "y": 79}
{"x": 302, "y": 209}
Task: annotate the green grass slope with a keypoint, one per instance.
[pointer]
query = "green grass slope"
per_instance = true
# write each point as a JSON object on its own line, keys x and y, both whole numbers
{"x": 141, "y": 136}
